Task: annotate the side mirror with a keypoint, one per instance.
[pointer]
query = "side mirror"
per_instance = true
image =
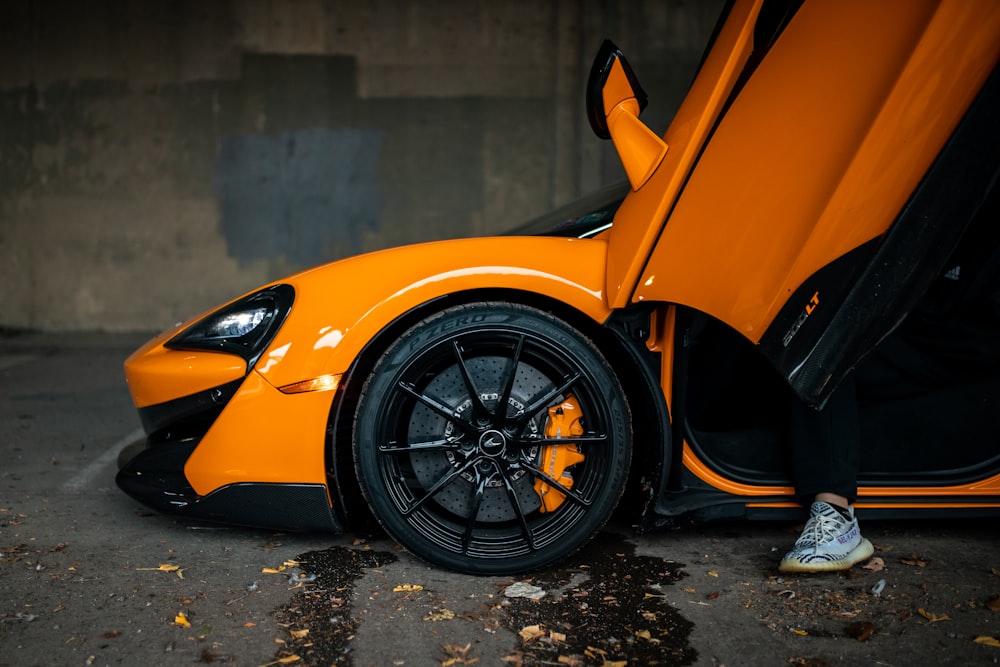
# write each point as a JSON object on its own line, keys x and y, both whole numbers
{"x": 614, "y": 101}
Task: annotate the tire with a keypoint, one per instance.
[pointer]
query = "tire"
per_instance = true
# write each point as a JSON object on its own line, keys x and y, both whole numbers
{"x": 462, "y": 484}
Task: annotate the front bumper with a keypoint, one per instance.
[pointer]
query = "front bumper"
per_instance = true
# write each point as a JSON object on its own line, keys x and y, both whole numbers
{"x": 153, "y": 474}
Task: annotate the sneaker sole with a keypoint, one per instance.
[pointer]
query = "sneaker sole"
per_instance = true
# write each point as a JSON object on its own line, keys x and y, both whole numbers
{"x": 861, "y": 552}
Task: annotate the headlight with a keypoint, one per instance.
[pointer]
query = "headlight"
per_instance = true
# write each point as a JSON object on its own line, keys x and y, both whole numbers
{"x": 244, "y": 327}
{"x": 236, "y": 324}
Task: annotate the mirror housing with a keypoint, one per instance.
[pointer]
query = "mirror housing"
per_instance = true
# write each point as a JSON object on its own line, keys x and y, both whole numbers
{"x": 614, "y": 101}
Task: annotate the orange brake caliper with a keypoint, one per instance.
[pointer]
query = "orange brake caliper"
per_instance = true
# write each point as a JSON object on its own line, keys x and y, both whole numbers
{"x": 564, "y": 422}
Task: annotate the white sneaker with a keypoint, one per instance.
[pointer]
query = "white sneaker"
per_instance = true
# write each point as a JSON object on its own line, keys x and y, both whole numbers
{"x": 829, "y": 542}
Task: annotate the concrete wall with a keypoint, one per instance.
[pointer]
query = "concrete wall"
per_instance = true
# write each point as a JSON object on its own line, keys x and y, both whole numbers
{"x": 158, "y": 157}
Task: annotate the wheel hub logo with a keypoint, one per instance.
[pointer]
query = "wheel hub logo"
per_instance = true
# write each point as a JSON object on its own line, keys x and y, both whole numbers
{"x": 492, "y": 443}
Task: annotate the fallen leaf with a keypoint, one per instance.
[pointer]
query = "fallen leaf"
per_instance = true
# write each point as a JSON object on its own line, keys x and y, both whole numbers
{"x": 931, "y": 617}
{"x": 457, "y": 655}
{"x": 407, "y": 588}
{"x": 299, "y": 634}
{"x": 993, "y": 604}
{"x": 283, "y": 660}
{"x": 516, "y": 659}
{"x": 643, "y": 634}
{"x": 571, "y": 660}
{"x": 796, "y": 631}
{"x": 996, "y": 571}
{"x": 987, "y": 640}
{"x": 876, "y": 564}
{"x": 914, "y": 560}
{"x": 163, "y": 567}
{"x": 861, "y": 630}
{"x": 440, "y": 615}
{"x": 713, "y": 574}
{"x": 531, "y": 632}
{"x": 272, "y": 570}
{"x": 182, "y": 620}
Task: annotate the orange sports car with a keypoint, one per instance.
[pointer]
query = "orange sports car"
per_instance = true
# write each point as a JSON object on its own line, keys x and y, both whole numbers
{"x": 491, "y": 400}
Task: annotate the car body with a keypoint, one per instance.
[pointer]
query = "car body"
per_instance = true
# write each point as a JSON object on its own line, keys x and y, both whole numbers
{"x": 490, "y": 400}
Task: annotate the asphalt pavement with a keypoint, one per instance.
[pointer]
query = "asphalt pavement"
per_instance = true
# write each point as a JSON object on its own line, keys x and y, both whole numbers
{"x": 90, "y": 577}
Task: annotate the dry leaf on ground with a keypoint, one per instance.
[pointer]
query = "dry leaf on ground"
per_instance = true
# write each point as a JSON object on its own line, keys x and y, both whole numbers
{"x": 914, "y": 560}
{"x": 931, "y": 617}
{"x": 407, "y": 588}
{"x": 164, "y": 567}
{"x": 457, "y": 655}
{"x": 876, "y": 564}
{"x": 531, "y": 632}
{"x": 440, "y": 615}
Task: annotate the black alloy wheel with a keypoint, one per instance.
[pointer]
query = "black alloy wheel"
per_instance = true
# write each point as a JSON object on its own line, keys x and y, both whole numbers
{"x": 456, "y": 436}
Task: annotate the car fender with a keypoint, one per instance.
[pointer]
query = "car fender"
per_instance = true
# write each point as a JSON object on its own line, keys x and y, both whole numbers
{"x": 340, "y": 307}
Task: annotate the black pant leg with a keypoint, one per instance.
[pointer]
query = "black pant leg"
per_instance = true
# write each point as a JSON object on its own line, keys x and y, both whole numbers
{"x": 825, "y": 445}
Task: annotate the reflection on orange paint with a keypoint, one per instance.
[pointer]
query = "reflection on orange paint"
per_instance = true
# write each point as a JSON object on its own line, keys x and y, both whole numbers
{"x": 155, "y": 376}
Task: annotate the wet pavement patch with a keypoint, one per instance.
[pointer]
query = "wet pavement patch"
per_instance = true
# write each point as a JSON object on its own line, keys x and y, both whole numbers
{"x": 319, "y": 621}
{"x": 606, "y": 606}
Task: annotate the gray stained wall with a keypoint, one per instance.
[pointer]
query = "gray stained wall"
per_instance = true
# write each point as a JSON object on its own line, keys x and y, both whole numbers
{"x": 159, "y": 157}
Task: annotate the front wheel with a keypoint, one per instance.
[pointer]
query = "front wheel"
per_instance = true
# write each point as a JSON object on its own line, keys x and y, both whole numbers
{"x": 492, "y": 438}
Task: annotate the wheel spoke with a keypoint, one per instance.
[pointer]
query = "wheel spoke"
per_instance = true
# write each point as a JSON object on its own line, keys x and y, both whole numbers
{"x": 477, "y": 501}
{"x": 516, "y": 504}
{"x": 530, "y": 441}
{"x": 554, "y": 483}
{"x": 545, "y": 399}
{"x": 443, "y": 445}
{"x": 479, "y": 410}
{"x": 440, "y": 484}
{"x": 508, "y": 385}
{"x": 449, "y": 413}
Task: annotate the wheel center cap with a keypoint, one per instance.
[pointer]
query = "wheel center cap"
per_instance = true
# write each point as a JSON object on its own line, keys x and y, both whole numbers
{"x": 492, "y": 443}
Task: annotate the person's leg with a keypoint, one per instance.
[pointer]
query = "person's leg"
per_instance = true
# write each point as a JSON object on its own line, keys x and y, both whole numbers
{"x": 825, "y": 451}
{"x": 825, "y": 447}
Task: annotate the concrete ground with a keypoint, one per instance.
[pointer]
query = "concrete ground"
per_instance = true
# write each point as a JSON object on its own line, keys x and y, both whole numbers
{"x": 88, "y": 576}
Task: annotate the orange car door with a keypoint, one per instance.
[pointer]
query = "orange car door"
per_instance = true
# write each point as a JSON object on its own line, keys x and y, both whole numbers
{"x": 790, "y": 162}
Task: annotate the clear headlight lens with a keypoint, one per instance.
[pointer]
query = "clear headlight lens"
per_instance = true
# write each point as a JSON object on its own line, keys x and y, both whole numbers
{"x": 234, "y": 325}
{"x": 244, "y": 327}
